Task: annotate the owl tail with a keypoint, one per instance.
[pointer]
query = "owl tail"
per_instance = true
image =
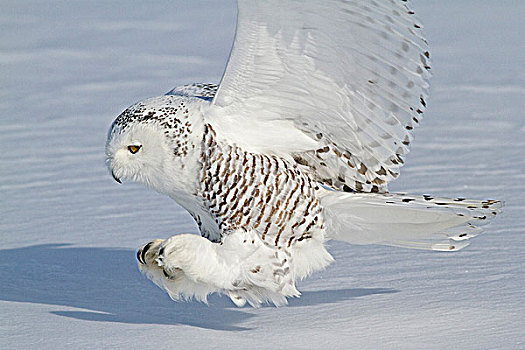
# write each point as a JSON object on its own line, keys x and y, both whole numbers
{"x": 419, "y": 222}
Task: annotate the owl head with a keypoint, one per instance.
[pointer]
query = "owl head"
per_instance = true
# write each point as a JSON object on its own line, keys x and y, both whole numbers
{"x": 156, "y": 142}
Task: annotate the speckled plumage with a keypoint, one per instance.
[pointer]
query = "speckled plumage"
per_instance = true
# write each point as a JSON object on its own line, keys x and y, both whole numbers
{"x": 257, "y": 192}
{"x": 295, "y": 147}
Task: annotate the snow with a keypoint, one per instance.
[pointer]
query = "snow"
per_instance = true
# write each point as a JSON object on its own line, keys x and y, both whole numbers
{"x": 68, "y": 276}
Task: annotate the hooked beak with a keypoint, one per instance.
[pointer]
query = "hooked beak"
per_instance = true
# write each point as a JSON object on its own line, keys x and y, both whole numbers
{"x": 116, "y": 178}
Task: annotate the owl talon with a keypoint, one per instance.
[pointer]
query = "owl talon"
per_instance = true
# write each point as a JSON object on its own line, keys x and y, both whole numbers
{"x": 141, "y": 253}
{"x": 145, "y": 254}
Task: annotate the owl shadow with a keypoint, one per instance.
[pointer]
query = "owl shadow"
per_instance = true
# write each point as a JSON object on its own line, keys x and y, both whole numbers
{"x": 106, "y": 285}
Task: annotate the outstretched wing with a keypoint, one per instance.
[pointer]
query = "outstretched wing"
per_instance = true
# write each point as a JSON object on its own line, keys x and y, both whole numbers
{"x": 337, "y": 85}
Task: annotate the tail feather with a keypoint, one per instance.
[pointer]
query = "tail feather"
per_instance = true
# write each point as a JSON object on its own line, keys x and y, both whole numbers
{"x": 420, "y": 222}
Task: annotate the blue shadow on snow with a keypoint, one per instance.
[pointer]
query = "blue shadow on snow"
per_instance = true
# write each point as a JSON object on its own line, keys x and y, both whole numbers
{"x": 107, "y": 283}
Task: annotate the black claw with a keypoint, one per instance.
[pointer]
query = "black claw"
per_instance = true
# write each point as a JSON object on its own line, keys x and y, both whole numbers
{"x": 141, "y": 254}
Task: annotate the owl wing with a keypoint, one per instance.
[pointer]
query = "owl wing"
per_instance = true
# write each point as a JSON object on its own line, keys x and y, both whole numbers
{"x": 335, "y": 85}
{"x": 200, "y": 90}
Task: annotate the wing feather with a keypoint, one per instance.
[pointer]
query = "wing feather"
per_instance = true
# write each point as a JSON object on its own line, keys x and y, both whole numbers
{"x": 337, "y": 85}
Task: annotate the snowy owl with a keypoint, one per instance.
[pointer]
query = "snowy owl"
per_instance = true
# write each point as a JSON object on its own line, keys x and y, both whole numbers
{"x": 313, "y": 117}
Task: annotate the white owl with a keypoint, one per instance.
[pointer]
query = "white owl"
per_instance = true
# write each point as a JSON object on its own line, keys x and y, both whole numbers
{"x": 312, "y": 119}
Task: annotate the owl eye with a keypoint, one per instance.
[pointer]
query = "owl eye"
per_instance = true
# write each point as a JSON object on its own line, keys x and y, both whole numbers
{"x": 134, "y": 148}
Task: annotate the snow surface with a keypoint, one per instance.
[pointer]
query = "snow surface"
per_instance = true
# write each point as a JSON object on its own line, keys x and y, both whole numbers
{"x": 68, "y": 276}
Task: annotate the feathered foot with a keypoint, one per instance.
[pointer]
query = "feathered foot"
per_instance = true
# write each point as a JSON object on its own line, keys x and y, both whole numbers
{"x": 242, "y": 266}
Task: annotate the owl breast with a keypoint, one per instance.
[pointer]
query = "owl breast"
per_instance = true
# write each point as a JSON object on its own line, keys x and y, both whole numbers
{"x": 249, "y": 191}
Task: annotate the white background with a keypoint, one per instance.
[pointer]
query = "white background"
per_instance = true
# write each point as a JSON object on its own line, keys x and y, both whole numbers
{"x": 68, "y": 232}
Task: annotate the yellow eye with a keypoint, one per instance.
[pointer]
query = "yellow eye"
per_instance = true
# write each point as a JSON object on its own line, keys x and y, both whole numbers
{"x": 134, "y": 148}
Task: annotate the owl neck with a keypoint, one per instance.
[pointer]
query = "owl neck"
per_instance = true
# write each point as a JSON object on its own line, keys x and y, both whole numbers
{"x": 183, "y": 170}
{"x": 195, "y": 201}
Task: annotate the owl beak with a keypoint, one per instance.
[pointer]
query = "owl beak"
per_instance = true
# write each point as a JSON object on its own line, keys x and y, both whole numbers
{"x": 116, "y": 178}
